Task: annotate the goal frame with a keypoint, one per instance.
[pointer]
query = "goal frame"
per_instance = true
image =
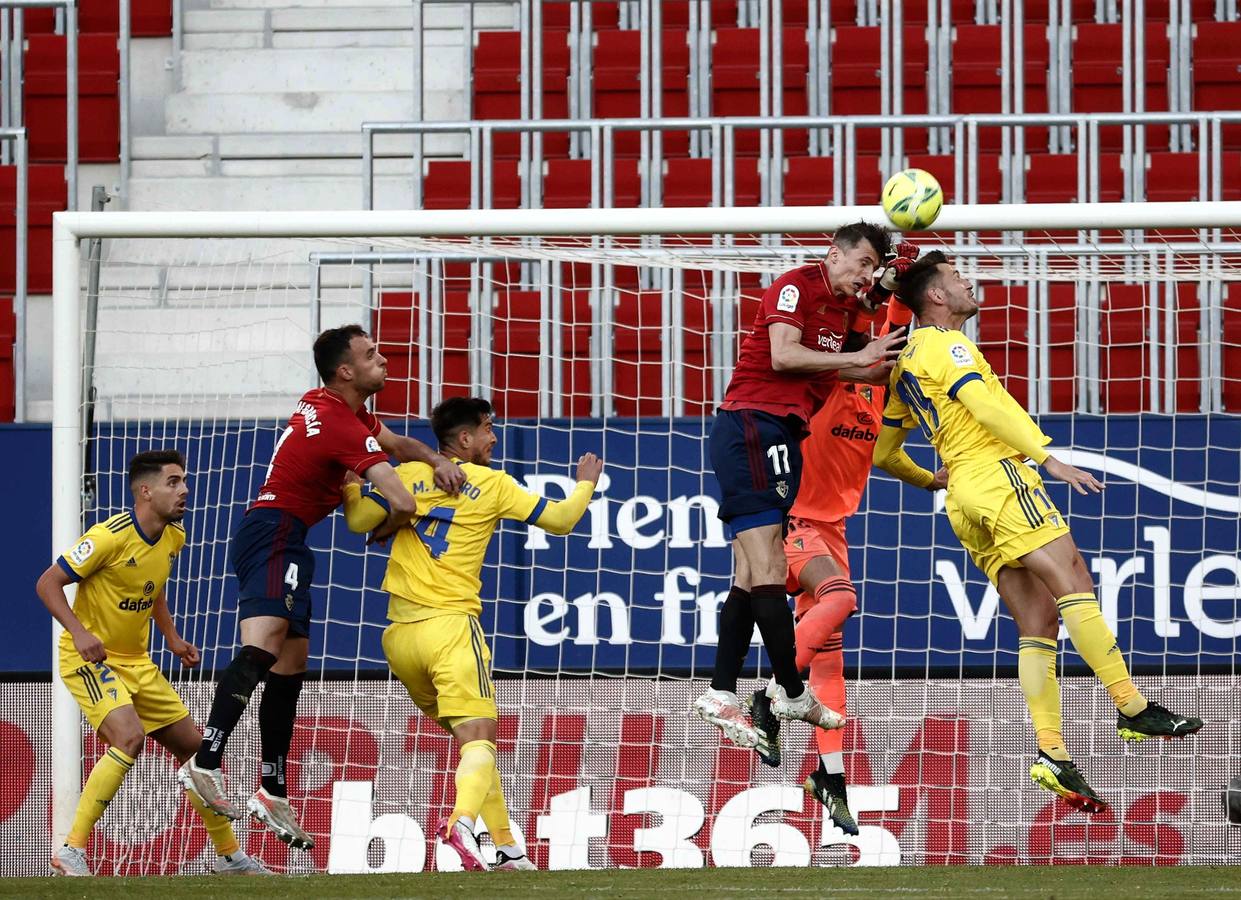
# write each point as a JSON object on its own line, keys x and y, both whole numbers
{"x": 69, "y": 229}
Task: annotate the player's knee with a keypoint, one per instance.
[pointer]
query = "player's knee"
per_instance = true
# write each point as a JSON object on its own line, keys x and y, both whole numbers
{"x": 129, "y": 741}
{"x": 248, "y": 668}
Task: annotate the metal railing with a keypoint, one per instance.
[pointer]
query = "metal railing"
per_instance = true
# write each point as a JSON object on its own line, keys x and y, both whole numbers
{"x": 12, "y": 62}
{"x": 1084, "y": 129}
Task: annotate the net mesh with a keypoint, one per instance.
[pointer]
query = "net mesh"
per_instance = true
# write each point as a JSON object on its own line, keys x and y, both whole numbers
{"x": 1126, "y": 347}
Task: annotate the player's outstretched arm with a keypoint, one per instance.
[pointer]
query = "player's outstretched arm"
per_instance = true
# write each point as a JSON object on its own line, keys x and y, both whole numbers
{"x": 1008, "y": 422}
{"x": 181, "y": 648}
{"x": 560, "y": 517}
{"x": 51, "y": 590}
{"x": 890, "y": 455}
{"x": 449, "y": 476}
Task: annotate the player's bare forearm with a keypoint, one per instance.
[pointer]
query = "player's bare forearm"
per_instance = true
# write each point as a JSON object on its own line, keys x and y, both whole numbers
{"x": 789, "y": 355}
{"x": 51, "y": 590}
{"x": 181, "y": 648}
{"x": 876, "y": 375}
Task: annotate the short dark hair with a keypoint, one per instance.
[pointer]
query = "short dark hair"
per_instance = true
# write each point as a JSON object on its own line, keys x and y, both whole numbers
{"x": 914, "y": 282}
{"x": 849, "y": 236}
{"x": 152, "y": 462}
{"x": 332, "y": 349}
{"x": 455, "y": 414}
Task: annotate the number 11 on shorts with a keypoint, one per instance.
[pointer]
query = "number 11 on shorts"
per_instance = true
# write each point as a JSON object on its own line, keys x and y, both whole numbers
{"x": 779, "y": 456}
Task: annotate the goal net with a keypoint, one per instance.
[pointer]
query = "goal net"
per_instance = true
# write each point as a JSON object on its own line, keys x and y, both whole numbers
{"x": 1125, "y": 345}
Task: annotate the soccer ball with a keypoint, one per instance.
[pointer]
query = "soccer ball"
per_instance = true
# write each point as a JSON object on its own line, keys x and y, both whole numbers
{"x": 912, "y": 199}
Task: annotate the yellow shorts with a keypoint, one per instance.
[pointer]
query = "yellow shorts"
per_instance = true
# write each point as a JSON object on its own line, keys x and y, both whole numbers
{"x": 445, "y": 665}
{"x": 104, "y": 686}
{"x": 1000, "y": 511}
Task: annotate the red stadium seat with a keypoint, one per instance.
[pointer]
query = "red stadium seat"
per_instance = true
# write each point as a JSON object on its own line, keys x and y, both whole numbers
{"x": 855, "y": 80}
{"x": 1231, "y": 340}
{"x": 1097, "y": 77}
{"x": 8, "y": 336}
{"x": 398, "y": 337}
{"x": 497, "y": 86}
{"x": 1036, "y": 11}
{"x": 46, "y": 194}
{"x": 735, "y": 57}
{"x": 976, "y": 81}
{"x": 1230, "y": 169}
{"x": 447, "y": 185}
{"x": 809, "y": 180}
{"x": 1003, "y": 336}
{"x": 1124, "y": 367}
{"x": 147, "y": 18}
{"x": 98, "y": 104}
{"x": 566, "y": 184}
{"x": 615, "y": 86}
{"x": 963, "y": 11}
{"x": 1199, "y": 10}
{"x": 1172, "y": 176}
{"x": 638, "y": 341}
{"x": 1216, "y": 71}
{"x": 944, "y": 169}
{"x": 1052, "y": 178}
{"x": 687, "y": 182}
{"x": 517, "y": 345}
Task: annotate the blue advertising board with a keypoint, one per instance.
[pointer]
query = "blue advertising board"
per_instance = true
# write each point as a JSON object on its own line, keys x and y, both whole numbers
{"x": 635, "y": 589}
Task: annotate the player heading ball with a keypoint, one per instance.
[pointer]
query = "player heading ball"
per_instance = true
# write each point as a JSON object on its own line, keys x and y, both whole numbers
{"x": 789, "y": 363}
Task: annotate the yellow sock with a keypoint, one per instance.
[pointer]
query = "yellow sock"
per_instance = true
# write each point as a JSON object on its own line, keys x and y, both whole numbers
{"x": 1036, "y": 670}
{"x": 474, "y": 773}
{"x": 1097, "y": 645}
{"x": 104, "y": 781}
{"x": 219, "y": 828}
{"x": 495, "y": 813}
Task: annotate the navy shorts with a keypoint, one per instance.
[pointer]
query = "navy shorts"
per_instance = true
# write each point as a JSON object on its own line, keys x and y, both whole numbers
{"x": 757, "y": 461}
{"x": 270, "y": 558}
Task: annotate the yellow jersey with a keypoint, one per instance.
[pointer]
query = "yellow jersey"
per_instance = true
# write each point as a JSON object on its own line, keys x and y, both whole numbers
{"x": 119, "y": 572}
{"x": 437, "y": 558}
{"x": 933, "y": 367}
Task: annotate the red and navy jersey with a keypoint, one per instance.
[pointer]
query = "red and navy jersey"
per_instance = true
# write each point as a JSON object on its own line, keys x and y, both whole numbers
{"x": 804, "y": 299}
{"x": 323, "y": 439}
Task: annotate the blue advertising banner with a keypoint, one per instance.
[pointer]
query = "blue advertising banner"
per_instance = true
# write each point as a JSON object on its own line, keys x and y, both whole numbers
{"x": 635, "y": 589}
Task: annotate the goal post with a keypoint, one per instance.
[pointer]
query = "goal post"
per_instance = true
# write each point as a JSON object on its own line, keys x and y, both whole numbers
{"x": 737, "y": 240}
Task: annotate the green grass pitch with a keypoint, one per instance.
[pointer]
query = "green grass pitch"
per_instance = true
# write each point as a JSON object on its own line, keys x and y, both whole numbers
{"x": 1103, "y": 883}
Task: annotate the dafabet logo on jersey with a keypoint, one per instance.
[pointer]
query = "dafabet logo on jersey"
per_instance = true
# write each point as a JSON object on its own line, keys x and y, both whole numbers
{"x": 81, "y": 553}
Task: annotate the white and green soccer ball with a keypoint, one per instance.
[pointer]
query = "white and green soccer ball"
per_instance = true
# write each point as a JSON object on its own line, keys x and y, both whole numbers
{"x": 912, "y": 199}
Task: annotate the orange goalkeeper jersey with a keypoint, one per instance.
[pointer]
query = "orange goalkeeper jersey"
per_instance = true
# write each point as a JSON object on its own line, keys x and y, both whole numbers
{"x": 836, "y": 457}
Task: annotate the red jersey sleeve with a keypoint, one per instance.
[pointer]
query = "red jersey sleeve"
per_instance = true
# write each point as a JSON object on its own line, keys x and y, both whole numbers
{"x": 786, "y": 301}
{"x": 355, "y": 445}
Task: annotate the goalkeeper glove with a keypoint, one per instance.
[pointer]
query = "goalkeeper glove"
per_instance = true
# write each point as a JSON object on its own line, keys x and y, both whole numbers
{"x": 885, "y": 284}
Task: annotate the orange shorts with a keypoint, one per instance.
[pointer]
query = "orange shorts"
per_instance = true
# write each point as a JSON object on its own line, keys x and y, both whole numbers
{"x": 807, "y": 539}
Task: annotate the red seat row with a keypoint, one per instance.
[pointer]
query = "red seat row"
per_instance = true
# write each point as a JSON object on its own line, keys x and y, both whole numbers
{"x": 640, "y": 335}
{"x": 147, "y": 18}
{"x": 47, "y": 194}
{"x": 98, "y": 100}
{"x": 809, "y": 180}
{"x": 8, "y": 337}
{"x": 856, "y": 79}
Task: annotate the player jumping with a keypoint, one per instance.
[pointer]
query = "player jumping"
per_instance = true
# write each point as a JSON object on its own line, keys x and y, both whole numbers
{"x": 330, "y": 433}
{"x": 1000, "y": 511}
{"x": 435, "y": 643}
{"x": 121, "y": 566}
{"x": 838, "y": 462}
{"x": 789, "y": 363}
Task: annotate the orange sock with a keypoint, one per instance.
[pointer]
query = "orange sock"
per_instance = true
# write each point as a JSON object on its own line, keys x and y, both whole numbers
{"x": 827, "y": 680}
{"x": 835, "y": 601}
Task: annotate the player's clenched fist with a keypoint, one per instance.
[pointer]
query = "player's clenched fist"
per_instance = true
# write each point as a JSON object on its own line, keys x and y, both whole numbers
{"x": 589, "y": 468}
{"x": 186, "y": 652}
{"x": 449, "y": 477}
{"x": 89, "y": 647}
